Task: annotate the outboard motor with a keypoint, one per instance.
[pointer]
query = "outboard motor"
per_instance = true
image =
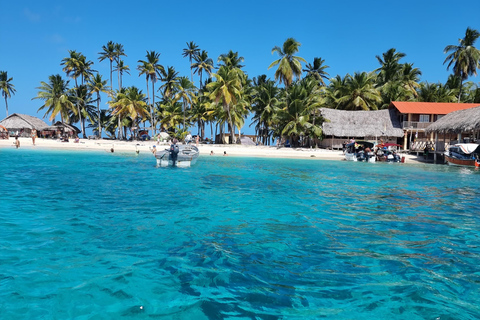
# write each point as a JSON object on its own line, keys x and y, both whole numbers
{"x": 174, "y": 150}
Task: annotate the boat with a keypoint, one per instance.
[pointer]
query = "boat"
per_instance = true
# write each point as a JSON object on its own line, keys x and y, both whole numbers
{"x": 463, "y": 154}
{"x": 182, "y": 156}
{"x": 387, "y": 152}
{"x": 359, "y": 151}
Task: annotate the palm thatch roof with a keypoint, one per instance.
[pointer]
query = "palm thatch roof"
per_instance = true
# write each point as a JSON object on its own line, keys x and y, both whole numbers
{"x": 341, "y": 123}
{"x": 457, "y": 122}
{"x": 62, "y": 126}
{"x": 18, "y": 121}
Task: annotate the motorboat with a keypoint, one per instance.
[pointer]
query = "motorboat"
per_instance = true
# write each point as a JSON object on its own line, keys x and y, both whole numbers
{"x": 182, "y": 156}
{"x": 359, "y": 151}
{"x": 463, "y": 154}
{"x": 387, "y": 152}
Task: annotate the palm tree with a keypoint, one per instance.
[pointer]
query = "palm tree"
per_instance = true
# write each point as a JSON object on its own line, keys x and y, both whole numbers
{"x": 390, "y": 67}
{"x": 55, "y": 95}
{"x": 119, "y": 52}
{"x": 317, "y": 70}
{"x": 105, "y": 121}
{"x": 203, "y": 63}
{"x": 186, "y": 92}
{"x": 129, "y": 102}
{"x": 83, "y": 99}
{"x": 226, "y": 91}
{"x": 289, "y": 66}
{"x": 6, "y": 87}
{"x": 152, "y": 69}
{"x": 360, "y": 92}
{"x": 191, "y": 51}
{"x": 109, "y": 52}
{"x": 464, "y": 57}
{"x": 121, "y": 68}
{"x": 97, "y": 85}
{"x": 230, "y": 60}
{"x": 74, "y": 67}
{"x": 265, "y": 106}
{"x": 170, "y": 82}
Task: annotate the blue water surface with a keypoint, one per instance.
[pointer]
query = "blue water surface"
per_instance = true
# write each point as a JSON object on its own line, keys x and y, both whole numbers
{"x": 93, "y": 235}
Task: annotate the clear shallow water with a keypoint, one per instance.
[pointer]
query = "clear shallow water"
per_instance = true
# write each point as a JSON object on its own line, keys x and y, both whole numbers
{"x": 109, "y": 236}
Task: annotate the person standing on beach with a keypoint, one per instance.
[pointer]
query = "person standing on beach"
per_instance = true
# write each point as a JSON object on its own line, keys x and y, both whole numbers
{"x": 197, "y": 139}
{"x": 34, "y": 135}
{"x": 17, "y": 142}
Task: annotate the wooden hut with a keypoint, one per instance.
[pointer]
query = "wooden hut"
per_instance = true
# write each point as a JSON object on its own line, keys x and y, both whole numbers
{"x": 462, "y": 125}
{"x": 60, "y": 129}
{"x": 22, "y": 124}
{"x": 341, "y": 125}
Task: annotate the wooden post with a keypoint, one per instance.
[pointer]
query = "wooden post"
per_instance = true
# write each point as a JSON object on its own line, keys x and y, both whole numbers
{"x": 436, "y": 143}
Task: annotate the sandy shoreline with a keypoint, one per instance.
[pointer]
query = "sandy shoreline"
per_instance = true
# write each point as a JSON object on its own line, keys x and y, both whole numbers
{"x": 145, "y": 146}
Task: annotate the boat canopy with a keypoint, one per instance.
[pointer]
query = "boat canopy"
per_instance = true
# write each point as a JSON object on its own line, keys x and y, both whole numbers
{"x": 365, "y": 144}
{"x": 468, "y": 148}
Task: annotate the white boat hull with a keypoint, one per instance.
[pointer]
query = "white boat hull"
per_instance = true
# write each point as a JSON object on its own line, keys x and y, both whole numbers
{"x": 353, "y": 157}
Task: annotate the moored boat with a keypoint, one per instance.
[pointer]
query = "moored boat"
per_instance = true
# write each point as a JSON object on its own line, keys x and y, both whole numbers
{"x": 463, "y": 154}
{"x": 181, "y": 156}
{"x": 359, "y": 151}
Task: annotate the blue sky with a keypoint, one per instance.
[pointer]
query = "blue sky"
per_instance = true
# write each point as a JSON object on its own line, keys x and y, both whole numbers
{"x": 36, "y": 35}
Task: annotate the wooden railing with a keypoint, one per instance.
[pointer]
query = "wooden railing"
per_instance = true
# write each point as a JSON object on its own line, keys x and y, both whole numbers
{"x": 415, "y": 125}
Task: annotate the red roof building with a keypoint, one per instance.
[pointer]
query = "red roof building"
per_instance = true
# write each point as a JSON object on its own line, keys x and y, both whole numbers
{"x": 416, "y": 116}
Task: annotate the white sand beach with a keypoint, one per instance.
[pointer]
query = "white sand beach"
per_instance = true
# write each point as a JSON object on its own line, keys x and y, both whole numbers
{"x": 205, "y": 149}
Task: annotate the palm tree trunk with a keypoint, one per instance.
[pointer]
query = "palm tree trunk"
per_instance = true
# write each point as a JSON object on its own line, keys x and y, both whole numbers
{"x": 184, "y": 109}
{"x": 460, "y": 91}
{"x": 120, "y": 137}
{"x": 211, "y": 130}
{"x": 111, "y": 72}
{"x": 6, "y": 104}
{"x": 153, "y": 109}
{"x": 191, "y": 70}
{"x": 99, "y": 123}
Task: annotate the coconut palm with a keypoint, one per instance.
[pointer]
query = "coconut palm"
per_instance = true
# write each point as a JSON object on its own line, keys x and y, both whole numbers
{"x": 84, "y": 100}
{"x": 317, "y": 70}
{"x": 230, "y": 60}
{"x": 191, "y": 51}
{"x": 153, "y": 69}
{"x": 129, "y": 102}
{"x": 436, "y": 92}
{"x": 6, "y": 87}
{"x": 97, "y": 85}
{"x": 265, "y": 105}
{"x": 464, "y": 57}
{"x": 226, "y": 90}
{"x": 409, "y": 77}
{"x": 109, "y": 52}
{"x": 105, "y": 121}
{"x": 119, "y": 52}
{"x": 56, "y": 97}
{"x": 360, "y": 92}
{"x": 186, "y": 92}
{"x": 202, "y": 63}
{"x": 121, "y": 68}
{"x": 296, "y": 118}
{"x": 390, "y": 67}
{"x": 170, "y": 82}
{"x": 289, "y": 66}
{"x": 170, "y": 113}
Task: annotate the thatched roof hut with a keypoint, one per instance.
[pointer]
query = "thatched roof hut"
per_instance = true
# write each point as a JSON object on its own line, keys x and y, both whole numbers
{"x": 341, "y": 123}
{"x": 457, "y": 122}
{"x": 18, "y": 121}
{"x": 63, "y": 127}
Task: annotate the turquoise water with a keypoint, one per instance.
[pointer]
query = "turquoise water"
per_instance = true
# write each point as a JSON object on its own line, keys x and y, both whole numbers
{"x": 109, "y": 236}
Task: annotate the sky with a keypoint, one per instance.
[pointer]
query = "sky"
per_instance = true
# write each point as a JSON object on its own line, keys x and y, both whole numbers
{"x": 36, "y": 35}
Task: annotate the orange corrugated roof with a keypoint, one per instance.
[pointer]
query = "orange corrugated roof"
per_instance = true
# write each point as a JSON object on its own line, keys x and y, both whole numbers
{"x": 430, "y": 107}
